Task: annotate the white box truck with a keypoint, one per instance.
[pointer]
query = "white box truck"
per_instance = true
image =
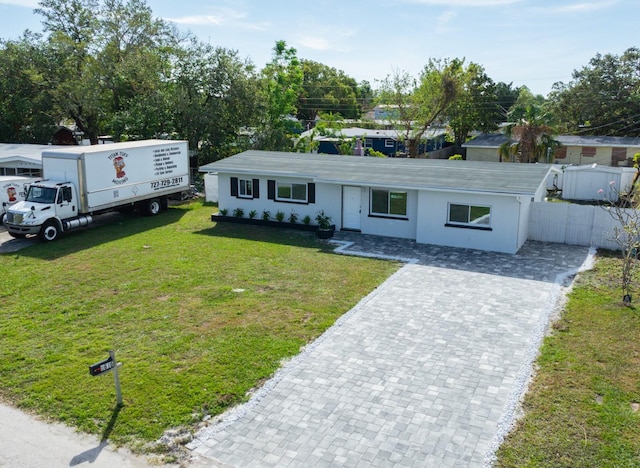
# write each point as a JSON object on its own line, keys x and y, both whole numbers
{"x": 83, "y": 181}
{"x": 12, "y": 190}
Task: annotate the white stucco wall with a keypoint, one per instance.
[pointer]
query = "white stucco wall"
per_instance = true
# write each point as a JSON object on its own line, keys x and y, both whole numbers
{"x": 211, "y": 187}
{"x": 328, "y": 198}
{"x": 389, "y": 226}
{"x": 425, "y": 221}
{"x": 504, "y": 235}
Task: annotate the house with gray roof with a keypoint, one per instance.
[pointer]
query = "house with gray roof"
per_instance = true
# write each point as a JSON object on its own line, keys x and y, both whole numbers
{"x": 387, "y": 142}
{"x": 575, "y": 150}
{"x": 470, "y": 204}
{"x": 21, "y": 159}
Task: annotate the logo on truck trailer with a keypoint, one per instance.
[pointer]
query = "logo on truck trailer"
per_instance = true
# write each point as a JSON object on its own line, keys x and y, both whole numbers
{"x": 117, "y": 159}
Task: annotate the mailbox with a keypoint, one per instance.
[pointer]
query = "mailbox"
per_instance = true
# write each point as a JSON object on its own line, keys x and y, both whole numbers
{"x": 101, "y": 367}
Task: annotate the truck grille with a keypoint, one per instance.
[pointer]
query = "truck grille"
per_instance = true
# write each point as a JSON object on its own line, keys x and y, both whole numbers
{"x": 14, "y": 218}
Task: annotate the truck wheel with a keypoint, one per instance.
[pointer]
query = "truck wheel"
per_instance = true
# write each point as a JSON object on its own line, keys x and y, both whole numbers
{"x": 153, "y": 207}
{"x": 49, "y": 232}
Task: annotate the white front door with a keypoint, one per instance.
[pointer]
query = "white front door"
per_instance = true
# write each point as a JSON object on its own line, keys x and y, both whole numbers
{"x": 351, "y": 199}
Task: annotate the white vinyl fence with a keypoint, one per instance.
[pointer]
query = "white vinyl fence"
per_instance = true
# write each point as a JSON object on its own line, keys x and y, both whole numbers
{"x": 573, "y": 224}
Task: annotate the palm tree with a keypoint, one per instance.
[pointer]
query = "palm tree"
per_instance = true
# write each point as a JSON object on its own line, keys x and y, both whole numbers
{"x": 530, "y": 137}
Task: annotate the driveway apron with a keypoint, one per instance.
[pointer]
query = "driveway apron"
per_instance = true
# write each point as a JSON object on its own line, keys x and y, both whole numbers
{"x": 425, "y": 371}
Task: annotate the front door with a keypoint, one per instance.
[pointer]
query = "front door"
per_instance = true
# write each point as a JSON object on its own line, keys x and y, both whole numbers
{"x": 351, "y": 200}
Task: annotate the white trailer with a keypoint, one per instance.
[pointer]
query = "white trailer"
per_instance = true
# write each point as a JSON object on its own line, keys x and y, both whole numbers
{"x": 12, "y": 190}
{"x": 83, "y": 181}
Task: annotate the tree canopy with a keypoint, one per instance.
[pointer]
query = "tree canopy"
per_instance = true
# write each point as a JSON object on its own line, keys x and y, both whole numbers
{"x": 476, "y": 105}
{"x": 419, "y": 102}
{"x": 603, "y": 98}
{"x": 110, "y": 67}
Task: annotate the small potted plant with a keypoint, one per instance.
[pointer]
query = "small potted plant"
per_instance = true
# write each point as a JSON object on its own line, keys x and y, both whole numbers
{"x": 325, "y": 228}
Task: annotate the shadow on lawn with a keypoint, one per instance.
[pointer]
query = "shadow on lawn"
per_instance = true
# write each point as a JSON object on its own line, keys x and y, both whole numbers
{"x": 105, "y": 228}
{"x": 274, "y": 235}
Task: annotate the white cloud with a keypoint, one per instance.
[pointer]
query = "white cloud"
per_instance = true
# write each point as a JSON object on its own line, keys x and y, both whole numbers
{"x": 198, "y": 20}
{"x": 22, "y": 3}
{"x": 219, "y": 17}
{"x": 466, "y": 3}
{"x": 326, "y": 40}
{"x": 444, "y": 20}
{"x": 581, "y": 7}
{"x": 315, "y": 43}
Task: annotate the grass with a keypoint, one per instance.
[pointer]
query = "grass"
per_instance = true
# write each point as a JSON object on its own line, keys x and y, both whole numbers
{"x": 199, "y": 313}
{"x": 582, "y": 407}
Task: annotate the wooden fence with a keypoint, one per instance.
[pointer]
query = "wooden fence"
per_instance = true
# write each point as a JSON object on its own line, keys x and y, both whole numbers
{"x": 573, "y": 224}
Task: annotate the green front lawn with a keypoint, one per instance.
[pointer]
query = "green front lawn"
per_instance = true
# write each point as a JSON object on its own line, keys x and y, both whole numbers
{"x": 582, "y": 407}
{"x": 198, "y": 313}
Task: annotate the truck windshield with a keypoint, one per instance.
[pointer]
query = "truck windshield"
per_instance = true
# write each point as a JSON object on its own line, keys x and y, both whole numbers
{"x": 39, "y": 194}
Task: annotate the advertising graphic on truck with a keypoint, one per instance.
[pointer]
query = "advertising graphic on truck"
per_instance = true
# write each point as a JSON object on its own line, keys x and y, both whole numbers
{"x": 12, "y": 190}
{"x": 84, "y": 181}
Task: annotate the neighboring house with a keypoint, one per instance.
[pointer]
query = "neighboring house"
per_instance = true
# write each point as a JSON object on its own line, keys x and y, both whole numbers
{"x": 388, "y": 142}
{"x": 21, "y": 159}
{"x": 454, "y": 203}
{"x": 576, "y": 150}
{"x": 24, "y": 159}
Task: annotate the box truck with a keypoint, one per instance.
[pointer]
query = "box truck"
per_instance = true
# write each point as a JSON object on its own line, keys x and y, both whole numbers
{"x": 12, "y": 190}
{"x": 83, "y": 181}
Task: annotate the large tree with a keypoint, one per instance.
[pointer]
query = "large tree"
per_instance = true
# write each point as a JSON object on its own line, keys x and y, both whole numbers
{"x": 214, "y": 99}
{"x": 25, "y": 98}
{"x": 476, "y": 105}
{"x": 327, "y": 90}
{"x": 280, "y": 86}
{"x": 110, "y": 57}
{"x": 419, "y": 102}
{"x": 603, "y": 98}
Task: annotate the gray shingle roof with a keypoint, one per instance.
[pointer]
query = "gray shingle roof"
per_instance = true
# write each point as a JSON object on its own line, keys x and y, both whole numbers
{"x": 433, "y": 174}
{"x": 494, "y": 140}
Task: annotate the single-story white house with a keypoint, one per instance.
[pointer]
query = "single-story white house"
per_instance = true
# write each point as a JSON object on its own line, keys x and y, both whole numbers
{"x": 470, "y": 204}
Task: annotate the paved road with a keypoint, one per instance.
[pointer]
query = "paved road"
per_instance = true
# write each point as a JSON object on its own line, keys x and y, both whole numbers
{"x": 424, "y": 372}
{"x": 9, "y": 244}
{"x": 26, "y": 442}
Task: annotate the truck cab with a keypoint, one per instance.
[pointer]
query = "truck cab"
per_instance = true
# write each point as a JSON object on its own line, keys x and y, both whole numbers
{"x": 45, "y": 211}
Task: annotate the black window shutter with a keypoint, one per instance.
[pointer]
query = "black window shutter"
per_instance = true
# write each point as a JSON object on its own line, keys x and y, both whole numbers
{"x": 234, "y": 186}
{"x": 311, "y": 192}
{"x": 271, "y": 189}
{"x": 256, "y": 188}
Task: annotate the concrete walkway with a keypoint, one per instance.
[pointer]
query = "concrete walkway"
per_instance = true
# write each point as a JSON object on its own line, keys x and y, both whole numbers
{"x": 426, "y": 371}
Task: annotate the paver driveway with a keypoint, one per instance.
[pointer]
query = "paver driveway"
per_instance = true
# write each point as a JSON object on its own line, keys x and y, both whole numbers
{"x": 425, "y": 371}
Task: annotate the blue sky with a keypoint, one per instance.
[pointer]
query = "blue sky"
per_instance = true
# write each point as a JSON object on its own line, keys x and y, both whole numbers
{"x": 526, "y": 42}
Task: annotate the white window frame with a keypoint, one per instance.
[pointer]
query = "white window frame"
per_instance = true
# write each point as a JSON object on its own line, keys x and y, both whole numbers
{"x": 475, "y": 223}
{"x": 390, "y": 192}
{"x": 242, "y": 188}
{"x": 389, "y": 143}
{"x": 291, "y": 191}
